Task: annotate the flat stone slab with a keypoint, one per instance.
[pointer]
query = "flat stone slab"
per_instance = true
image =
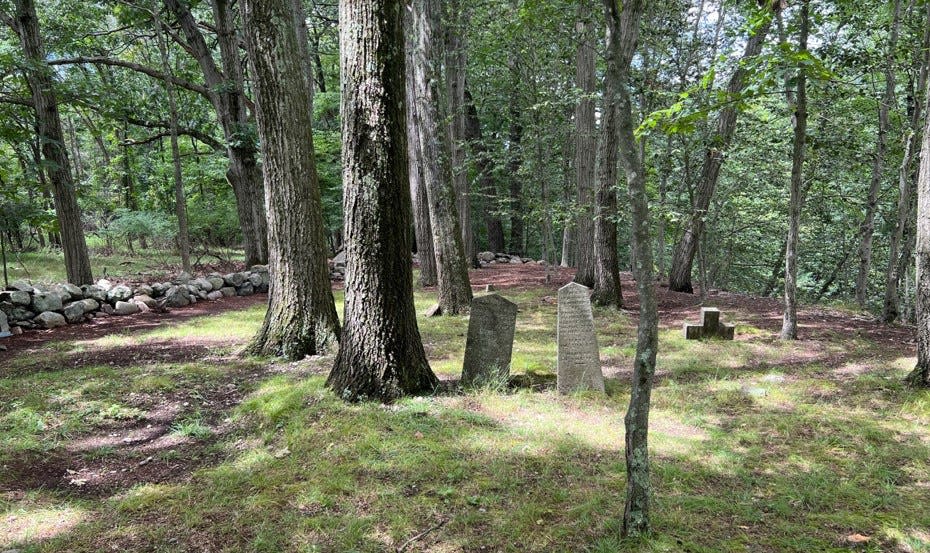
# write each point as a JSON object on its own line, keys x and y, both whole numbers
{"x": 489, "y": 346}
{"x": 579, "y": 364}
{"x": 710, "y": 326}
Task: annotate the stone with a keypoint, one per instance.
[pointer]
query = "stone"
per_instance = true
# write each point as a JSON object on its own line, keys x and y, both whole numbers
{"x": 489, "y": 345}
{"x": 145, "y": 300}
{"x": 214, "y": 295}
{"x": 255, "y": 279}
{"x": 4, "y": 325}
{"x": 125, "y": 308}
{"x": 203, "y": 284}
{"x": 46, "y": 302}
{"x": 515, "y": 260}
{"x": 74, "y": 311}
{"x": 50, "y": 319}
{"x": 61, "y": 293}
{"x": 16, "y": 330}
{"x": 228, "y": 291}
{"x": 16, "y": 297}
{"x": 104, "y": 284}
{"x": 89, "y": 305}
{"x": 183, "y": 278}
{"x": 259, "y": 268}
{"x": 95, "y": 292}
{"x": 216, "y": 281}
{"x": 752, "y": 391}
{"x": 489, "y": 288}
{"x": 710, "y": 326}
{"x": 119, "y": 293}
{"x": 486, "y": 256}
{"x": 234, "y": 279}
{"x": 20, "y": 314}
{"x": 143, "y": 290}
{"x": 340, "y": 259}
{"x": 158, "y": 289}
{"x": 246, "y": 289}
{"x": 433, "y": 311}
{"x": 175, "y": 297}
{"x": 74, "y": 291}
{"x": 106, "y": 308}
{"x": 579, "y": 365}
{"x": 21, "y": 286}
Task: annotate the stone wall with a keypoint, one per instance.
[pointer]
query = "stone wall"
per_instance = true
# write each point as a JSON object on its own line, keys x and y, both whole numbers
{"x": 24, "y": 306}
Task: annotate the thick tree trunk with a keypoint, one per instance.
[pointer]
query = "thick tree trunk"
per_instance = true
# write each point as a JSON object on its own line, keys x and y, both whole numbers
{"x": 683, "y": 256}
{"x": 514, "y": 161}
{"x": 54, "y": 153}
{"x": 227, "y": 93}
{"x": 381, "y": 355}
{"x": 473, "y": 134}
{"x": 867, "y": 228}
{"x": 585, "y": 145}
{"x": 423, "y": 231}
{"x": 789, "y": 329}
{"x": 301, "y": 318}
{"x": 451, "y": 265}
{"x": 638, "y": 488}
{"x": 180, "y": 200}
{"x": 920, "y": 376}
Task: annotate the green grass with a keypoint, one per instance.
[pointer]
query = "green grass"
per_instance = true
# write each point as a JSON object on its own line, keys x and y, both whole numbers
{"x": 815, "y": 454}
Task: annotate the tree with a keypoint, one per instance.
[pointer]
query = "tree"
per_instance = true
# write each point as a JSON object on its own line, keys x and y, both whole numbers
{"x": 301, "y": 318}
{"x": 25, "y": 24}
{"x": 475, "y": 138}
{"x": 381, "y": 355}
{"x": 434, "y": 144}
{"x": 798, "y": 104}
{"x": 585, "y": 145}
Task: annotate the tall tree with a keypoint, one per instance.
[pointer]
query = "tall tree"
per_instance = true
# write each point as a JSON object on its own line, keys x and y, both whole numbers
{"x": 25, "y": 24}
{"x": 301, "y": 318}
{"x": 434, "y": 143}
{"x": 515, "y": 159}
{"x": 719, "y": 143}
{"x": 585, "y": 144}
{"x": 485, "y": 166}
{"x": 798, "y": 104}
{"x": 867, "y": 228}
{"x": 381, "y": 355}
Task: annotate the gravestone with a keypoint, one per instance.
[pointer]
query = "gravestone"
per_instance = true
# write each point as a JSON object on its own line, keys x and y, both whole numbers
{"x": 489, "y": 345}
{"x": 4, "y": 326}
{"x": 710, "y": 326}
{"x": 579, "y": 366}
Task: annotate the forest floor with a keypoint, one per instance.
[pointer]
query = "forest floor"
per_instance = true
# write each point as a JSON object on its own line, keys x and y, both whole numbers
{"x": 150, "y": 433}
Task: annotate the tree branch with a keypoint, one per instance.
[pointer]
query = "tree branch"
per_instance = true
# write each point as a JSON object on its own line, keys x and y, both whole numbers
{"x": 98, "y": 60}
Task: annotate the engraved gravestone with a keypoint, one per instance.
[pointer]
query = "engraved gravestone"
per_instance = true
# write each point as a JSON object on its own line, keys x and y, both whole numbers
{"x": 579, "y": 366}
{"x": 710, "y": 326}
{"x": 489, "y": 345}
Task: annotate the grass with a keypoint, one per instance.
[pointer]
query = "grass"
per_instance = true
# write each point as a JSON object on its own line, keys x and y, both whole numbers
{"x": 814, "y": 455}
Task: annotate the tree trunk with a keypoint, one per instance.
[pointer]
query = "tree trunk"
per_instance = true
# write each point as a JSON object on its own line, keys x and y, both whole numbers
{"x": 906, "y": 183}
{"x": 423, "y": 231}
{"x": 381, "y": 355}
{"x": 227, "y": 94}
{"x": 638, "y": 488}
{"x": 585, "y": 145}
{"x": 473, "y": 134}
{"x": 301, "y": 318}
{"x": 683, "y": 256}
{"x": 451, "y": 266}
{"x": 789, "y": 329}
{"x": 514, "y": 161}
{"x": 920, "y": 376}
{"x": 180, "y": 200}
{"x": 866, "y": 230}
{"x": 54, "y": 153}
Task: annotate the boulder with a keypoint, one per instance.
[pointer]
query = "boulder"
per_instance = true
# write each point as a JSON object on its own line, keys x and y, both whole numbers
{"x": 4, "y": 324}
{"x": 175, "y": 297}
{"x": 228, "y": 291}
{"x": 119, "y": 293}
{"x": 74, "y": 291}
{"x": 74, "y": 311}
{"x": 158, "y": 289}
{"x": 145, "y": 300}
{"x": 203, "y": 284}
{"x": 95, "y": 292}
{"x": 143, "y": 308}
{"x": 143, "y": 290}
{"x": 125, "y": 308}
{"x": 16, "y": 297}
{"x": 20, "y": 314}
{"x": 46, "y": 302}
{"x": 106, "y": 309}
{"x": 516, "y": 260}
{"x": 21, "y": 286}
{"x": 104, "y": 284}
{"x": 50, "y": 319}
{"x": 259, "y": 268}
{"x": 245, "y": 290}
{"x": 214, "y": 295}
{"x": 61, "y": 293}
{"x": 234, "y": 279}
{"x": 486, "y": 256}
{"x": 216, "y": 281}
{"x": 89, "y": 305}
{"x": 255, "y": 279}
{"x": 183, "y": 278}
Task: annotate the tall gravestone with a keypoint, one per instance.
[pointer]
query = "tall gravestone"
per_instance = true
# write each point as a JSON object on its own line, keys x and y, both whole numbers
{"x": 579, "y": 365}
{"x": 489, "y": 345}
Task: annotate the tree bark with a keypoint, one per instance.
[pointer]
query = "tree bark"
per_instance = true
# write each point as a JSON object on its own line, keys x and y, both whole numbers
{"x": 638, "y": 489}
{"x": 226, "y": 91}
{"x": 867, "y": 228}
{"x": 381, "y": 355}
{"x": 301, "y": 318}
{"x": 473, "y": 134}
{"x": 585, "y": 145}
{"x": 54, "y": 152}
{"x": 514, "y": 161}
{"x": 789, "y": 329}
{"x": 435, "y": 147}
{"x": 685, "y": 250}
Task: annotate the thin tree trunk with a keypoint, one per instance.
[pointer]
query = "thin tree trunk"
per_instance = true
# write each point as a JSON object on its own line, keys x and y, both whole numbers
{"x": 789, "y": 329}
{"x": 683, "y": 256}
{"x": 180, "y": 200}
{"x": 301, "y": 318}
{"x": 54, "y": 153}
{"x": 473, "y": 135}
{"x": 514, "y": 161}
{"x": 381, "y": 355}
{"x": 585, "y": 144}
{"x": 867, "y": 229}
{"x": 433, "y": 137}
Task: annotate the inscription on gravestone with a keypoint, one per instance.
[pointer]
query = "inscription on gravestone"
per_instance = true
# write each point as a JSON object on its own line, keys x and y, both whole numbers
{"x": 489, "y": 345}
{"x": 579, "y": 366}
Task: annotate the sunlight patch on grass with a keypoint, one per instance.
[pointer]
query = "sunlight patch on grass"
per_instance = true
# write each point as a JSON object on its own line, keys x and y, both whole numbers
{"x": 35, "y": 523}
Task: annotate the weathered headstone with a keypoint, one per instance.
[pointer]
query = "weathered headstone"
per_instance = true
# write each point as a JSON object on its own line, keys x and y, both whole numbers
{"x": 710, "y": 326}
{"x": 579, "y": 365}
{"x": 489, "y": 345}
{"x": 4, "y": 325}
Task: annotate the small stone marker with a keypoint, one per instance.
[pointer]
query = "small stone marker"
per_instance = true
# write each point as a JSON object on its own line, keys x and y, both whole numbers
{"x": 489, "y": 345}
{"x": 710, "y": 326}
{"x": 4, "y": 326}
{"x": 579, "y": 366}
